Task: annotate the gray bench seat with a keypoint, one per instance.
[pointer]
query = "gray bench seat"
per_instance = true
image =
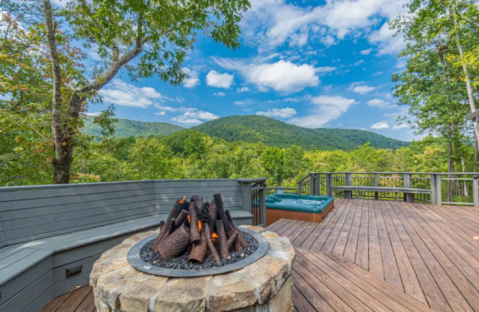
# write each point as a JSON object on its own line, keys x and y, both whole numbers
{"x": 383, "y": 189}
{"x": 23, "y": 265}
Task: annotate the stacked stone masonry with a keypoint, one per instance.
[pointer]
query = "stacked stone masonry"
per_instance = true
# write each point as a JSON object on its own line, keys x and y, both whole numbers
{"x": 264, "y": 286}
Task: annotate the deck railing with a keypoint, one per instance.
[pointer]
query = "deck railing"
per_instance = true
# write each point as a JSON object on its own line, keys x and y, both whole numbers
{"x": 445, "y": 188}
{"x": 254, "y": 192}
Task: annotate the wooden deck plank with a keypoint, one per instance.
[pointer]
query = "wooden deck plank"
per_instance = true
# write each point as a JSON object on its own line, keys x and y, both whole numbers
{"x": 454, "y": 297}
{"x": 286, "y": 227}
{"x": 321, "y": 240}
{"x": 433, "y": 293}
{"x": 277, "y": 225}
{"x": 391, "y": 270}
{"x": 367, "y": 301}
{"x": 436, "y": 228}
{"x": 53, "y": 305}
{"x": 369, "y": 282}
{"x": 410, "y": 281}
{"x": 334, "y": 235}
{"x": 340, "y": 245}
{"x": 74, "y": 301}
{"x": 375, "y": 256}
{"x": 310, "y": 299}
{"x": 352, "y": 243}
{"x": 310, "y": 227}
{"x": 362, "y": 253}
{"x": 88, "y": 305}
{"x": 331, "y": 291}
{"x": 453, "y": 265}
{"x": 309, "y": 242}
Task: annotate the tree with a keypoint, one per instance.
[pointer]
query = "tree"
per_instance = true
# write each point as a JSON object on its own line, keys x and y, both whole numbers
{"x": 159, "y": 33}
{"x": 272, "y": 160}
{"x": 431, "y": 86}
{"x": 150, "y": 159}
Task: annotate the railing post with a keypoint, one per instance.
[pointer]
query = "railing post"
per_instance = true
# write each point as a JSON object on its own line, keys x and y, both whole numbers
{"x": 299, "y": 188}
{"x": 438, "y": 190}
{"x": 245, "y": 189}
{"x": 408, "y": 197}
{"x": 317, "y": 184}
{"x": 329, "y": 185}
{"x": 376, "y": 183}
{"x": 433, "y": 190}
{"x": 262, "y": 205}
{"x": 349, "y": 182}
{"x": 475, "y": 190}
{"x": 312, "y": 178}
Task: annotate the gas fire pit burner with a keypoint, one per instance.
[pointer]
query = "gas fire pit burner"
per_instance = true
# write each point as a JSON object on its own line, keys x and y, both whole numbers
{"x": 135, "y": 259}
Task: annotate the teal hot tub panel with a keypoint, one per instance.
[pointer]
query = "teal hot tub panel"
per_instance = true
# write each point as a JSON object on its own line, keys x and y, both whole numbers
{"x": 300, "y": 203}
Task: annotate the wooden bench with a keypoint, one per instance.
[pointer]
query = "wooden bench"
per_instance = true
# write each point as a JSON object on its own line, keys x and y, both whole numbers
{"x": 409, "y": 192}
{"x": 50, "y": 236}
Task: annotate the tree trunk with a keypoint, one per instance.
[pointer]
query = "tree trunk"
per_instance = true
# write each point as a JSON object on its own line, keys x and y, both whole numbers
{"x": 63, "y": 157}
{"x": 470, "y": 94}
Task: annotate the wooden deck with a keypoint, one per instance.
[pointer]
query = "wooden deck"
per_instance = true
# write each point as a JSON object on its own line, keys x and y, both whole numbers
{"x": 371, "y": 255}
{"x": 386, "y": 256}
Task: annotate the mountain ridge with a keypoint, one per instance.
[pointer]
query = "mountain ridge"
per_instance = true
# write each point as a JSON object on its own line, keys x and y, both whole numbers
{"x": 253, "y": 129}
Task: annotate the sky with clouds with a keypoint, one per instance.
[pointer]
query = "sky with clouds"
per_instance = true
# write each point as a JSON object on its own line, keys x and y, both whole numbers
{"x": 309, "y": 63}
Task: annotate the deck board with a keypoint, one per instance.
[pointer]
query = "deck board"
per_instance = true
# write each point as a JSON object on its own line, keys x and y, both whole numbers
{"x": 369, "y": 255}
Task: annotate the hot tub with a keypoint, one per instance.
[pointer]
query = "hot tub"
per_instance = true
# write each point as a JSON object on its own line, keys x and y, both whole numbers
{"x": 297, "y": 207}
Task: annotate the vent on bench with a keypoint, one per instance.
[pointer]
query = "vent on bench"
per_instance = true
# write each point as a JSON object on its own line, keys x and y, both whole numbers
{"x": 73, "y": 271}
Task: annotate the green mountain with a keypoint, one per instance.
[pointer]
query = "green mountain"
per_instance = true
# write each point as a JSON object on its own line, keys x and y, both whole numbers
{"x": 252, "y": 128}
{"x": 126, "y": 128}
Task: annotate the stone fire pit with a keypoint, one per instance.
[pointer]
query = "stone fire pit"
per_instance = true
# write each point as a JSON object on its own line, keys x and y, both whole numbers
{"x": 265, "y": 285}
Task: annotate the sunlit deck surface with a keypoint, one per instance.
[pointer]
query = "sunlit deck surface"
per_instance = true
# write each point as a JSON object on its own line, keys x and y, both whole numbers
{"x": 373, "y": 256}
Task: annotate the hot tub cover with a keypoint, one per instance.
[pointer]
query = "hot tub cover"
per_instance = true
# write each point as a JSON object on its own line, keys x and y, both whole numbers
{"x": 300, "y": 203}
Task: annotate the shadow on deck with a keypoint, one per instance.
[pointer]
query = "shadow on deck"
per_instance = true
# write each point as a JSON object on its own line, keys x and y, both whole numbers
{"x": 373, "y": 256}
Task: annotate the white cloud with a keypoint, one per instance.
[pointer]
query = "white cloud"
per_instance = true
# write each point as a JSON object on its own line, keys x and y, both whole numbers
{"x": 328, "y": 41}
{"x": 194, "y": 117}
{"x": 162, "y": 113}
{"x": 326, "y": 108}
{"x": 271, "y": 23}
{"x": 220, "y": 93}
{"x": 401, "y": 126}
{"x": 192, "y": 80}
{"x": 379, "y": 103}
{"x": 401, "y": 64}
{"x": 124, "y": 94}
{"x": 279, "y": 112}
{"x": 380, "y": 125}
{"x": 366, "y": 52}
{"x": 61, "y": 3}
{"x": 387, "y": 40}
{"x": 358, "y": 62}
{"x": 242, "y": 89}
{"x": 244, "y": 102}
{"x": 218, "y": 80}
{"x": 362, "y": 89}
{"x": 281, "y": 76}
{"x": 325, "y": 69}
{"x": 377, "y": 73}
{"x": 93, "y": 114}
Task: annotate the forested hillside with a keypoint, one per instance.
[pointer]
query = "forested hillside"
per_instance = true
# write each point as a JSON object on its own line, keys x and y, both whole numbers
{"x": 253, "y": 129}
{"x": 125, "y": 128}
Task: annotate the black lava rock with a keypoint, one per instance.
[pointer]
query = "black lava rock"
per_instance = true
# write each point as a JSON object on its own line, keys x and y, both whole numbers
{"x": 183, "y": 263}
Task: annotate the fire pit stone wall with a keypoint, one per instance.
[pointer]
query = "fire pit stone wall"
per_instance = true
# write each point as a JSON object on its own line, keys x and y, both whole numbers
{"x": 264, "y": 286}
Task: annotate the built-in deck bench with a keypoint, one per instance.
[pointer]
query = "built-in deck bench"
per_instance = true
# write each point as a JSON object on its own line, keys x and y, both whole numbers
{"x": 409, "y": 192}
{"x": 50, "y": 236}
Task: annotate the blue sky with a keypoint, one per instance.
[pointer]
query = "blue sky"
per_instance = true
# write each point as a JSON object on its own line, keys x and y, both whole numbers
{"x": 309, "y": 63}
